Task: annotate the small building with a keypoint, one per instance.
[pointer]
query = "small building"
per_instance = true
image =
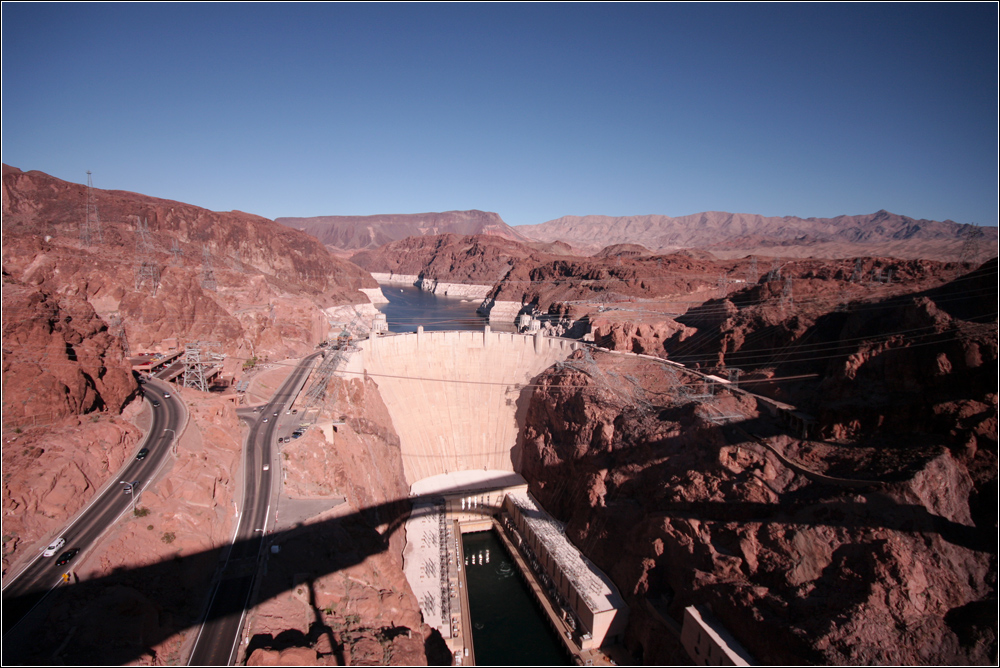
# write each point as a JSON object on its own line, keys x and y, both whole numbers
{"x": 707, "y": 641}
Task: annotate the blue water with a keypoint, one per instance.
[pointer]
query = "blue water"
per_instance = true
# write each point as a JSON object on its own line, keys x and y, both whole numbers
{"x": 409, "y": 307}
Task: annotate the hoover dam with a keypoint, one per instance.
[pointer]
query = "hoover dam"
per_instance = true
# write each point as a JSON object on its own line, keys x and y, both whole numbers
{"x": 457, "y": 400}
{"x": 455, "y": 397}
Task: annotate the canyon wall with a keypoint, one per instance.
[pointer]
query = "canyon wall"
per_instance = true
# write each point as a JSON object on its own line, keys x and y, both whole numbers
{"x": 680, "y": 505}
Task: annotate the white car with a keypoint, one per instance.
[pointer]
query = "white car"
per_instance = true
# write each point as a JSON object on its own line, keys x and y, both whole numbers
{"x": 166, "y": 395}
{"x": 54, "y": 547}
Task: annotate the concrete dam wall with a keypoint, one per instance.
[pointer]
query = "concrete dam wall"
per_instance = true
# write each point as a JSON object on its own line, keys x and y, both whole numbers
{"x": 457, "y": 399}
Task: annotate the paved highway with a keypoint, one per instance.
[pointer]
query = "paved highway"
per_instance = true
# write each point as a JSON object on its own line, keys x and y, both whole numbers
{"x": 29, "y": 586}
{"x": 219, "y": 635}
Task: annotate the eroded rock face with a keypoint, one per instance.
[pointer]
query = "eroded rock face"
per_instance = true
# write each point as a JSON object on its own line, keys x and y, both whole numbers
{"x": 679, "y": 511}
{"x": 51, "y": 472}
{"x": 59, "y": 358}
{"x": 256, "y": 287}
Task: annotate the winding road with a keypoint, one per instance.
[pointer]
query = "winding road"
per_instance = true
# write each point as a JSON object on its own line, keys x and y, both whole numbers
{"x": 27, "y": 588}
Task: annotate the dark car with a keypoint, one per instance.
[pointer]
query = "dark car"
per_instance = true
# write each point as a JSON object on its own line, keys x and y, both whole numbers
{"x": 67, "y": 556}
{"x": 142, "y": 453}
{"x": 156, "y": 404}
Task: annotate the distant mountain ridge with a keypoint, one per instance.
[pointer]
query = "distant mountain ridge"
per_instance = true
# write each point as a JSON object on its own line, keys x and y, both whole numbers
{"x": 718, "y": 229}
{"x": 366, "y": 232}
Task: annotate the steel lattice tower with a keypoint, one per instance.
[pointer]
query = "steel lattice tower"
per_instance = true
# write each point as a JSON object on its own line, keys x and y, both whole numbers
{"x": 90, "y": 229}
{"x": 194, "y": 373}
{"x": 117, "y": 328}
{"x": 146, "y": 270}
{"x": 176, "y": 251}
{"x": 207, "y": 275}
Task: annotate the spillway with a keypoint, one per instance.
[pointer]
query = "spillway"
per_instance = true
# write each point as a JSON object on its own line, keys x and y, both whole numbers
{"x": 457, "y": 399}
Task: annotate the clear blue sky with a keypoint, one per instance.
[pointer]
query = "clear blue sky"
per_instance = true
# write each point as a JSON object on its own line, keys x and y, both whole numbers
{"x": 534, "y": 111}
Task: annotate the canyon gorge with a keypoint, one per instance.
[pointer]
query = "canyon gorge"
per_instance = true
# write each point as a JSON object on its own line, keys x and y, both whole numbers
{"x": 805, "y": 446}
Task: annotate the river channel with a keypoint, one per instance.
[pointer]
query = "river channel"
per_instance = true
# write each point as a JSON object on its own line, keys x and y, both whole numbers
{"x": 508, "y": 628}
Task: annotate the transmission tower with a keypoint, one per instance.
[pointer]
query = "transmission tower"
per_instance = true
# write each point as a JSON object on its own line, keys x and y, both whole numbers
{"x": 723, "y": 286}
{"x": 971, "y": 246}
{"x": 117, "y": 328}
{"x": 207, "y": 275}
{"x": 194, "y": 373}
{"x": 316, "y": 393}
{"x": 90, "y": 230}
{"x": 176, "y": 251}
{"x": 194, "y": 365}
{"x": 859, "y": 271}
{"x": 752, "y": 274}
{"x": 775, "y": 273}
{"x": 786, "y": 294}
{"x": 146, "y": 270}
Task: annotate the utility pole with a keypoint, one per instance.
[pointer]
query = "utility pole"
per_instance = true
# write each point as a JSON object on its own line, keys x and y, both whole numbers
{"x": 130, "y": 490}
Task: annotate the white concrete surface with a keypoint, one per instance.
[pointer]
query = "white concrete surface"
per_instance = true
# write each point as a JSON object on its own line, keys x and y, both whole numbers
{"x": 389, "y": 278}
{"x": 454, "y": 396}
{"x": 499, "y": 311}
{"x": 374, "y": 295}
{"x": 467, "y": 290}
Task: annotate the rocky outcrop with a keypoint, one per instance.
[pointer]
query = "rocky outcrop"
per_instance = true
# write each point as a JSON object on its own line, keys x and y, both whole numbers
{"x": 59, "y": 358}
{"x": 448, "y": 258}
{"x": 680, "y": 510}
{"x": 642, "y": 338}
{"x": 361, "y": 232}
{"x": 51, "y": 473}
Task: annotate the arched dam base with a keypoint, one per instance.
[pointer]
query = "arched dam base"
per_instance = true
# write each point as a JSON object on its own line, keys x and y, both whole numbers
{"x": 458, "y": 400}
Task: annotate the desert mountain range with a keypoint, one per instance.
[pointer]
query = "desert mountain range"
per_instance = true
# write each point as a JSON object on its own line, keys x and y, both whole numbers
{"x": 364, "y": 232}
{"x": 725, "y": 235}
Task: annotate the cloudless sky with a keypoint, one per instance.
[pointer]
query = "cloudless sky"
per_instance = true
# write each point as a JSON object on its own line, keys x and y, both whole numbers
{"x": 534, "y": 111}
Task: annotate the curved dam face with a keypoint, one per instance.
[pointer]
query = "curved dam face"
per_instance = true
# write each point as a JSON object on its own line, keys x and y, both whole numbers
{"x": 457, "y": 399}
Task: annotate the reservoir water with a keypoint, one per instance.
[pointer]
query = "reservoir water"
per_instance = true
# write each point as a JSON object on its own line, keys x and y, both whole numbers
{"x": 410, "y": 306}
{"x": 507, "y": 626}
